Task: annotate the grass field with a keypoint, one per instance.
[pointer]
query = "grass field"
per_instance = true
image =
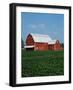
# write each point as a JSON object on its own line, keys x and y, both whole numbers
{"x": 42, "y": 63}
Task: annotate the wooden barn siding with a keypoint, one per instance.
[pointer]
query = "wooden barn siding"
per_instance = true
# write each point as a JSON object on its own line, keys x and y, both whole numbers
{"x": 29, "y": 40}
{"x": 41, "y": 46}
{"x": 50, "y": 46}
{"x": 57, "y": 46}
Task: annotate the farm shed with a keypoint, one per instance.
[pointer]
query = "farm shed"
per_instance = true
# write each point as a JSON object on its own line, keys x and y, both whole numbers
{"x": 41, "y": 42}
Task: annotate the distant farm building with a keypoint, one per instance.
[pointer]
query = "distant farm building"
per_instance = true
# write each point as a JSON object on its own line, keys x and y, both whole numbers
{"x": 41, "y": 42}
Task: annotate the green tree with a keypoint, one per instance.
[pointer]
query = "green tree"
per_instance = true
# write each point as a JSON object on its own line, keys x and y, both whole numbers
{"x": 22, "y": 43}
{"x": 62, "y": 45}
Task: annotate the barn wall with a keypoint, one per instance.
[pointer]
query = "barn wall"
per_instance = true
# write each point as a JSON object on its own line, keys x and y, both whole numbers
{"x": 41, "y": 46}
{"x": 58, "y": 46}
{"x": 29, "y": 40}
{"x": 50, "y": 47}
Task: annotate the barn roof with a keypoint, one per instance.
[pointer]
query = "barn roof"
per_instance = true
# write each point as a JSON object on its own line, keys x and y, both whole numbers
{"x": 41, "y": 38}
{"x": 52, "y": 42}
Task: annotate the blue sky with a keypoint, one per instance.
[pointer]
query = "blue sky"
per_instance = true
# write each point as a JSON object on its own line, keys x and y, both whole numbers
{"x": 42, "y": 23}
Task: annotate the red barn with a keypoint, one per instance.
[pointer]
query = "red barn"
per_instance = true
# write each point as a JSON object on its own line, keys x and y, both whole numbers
{"x": 41, "y": 42}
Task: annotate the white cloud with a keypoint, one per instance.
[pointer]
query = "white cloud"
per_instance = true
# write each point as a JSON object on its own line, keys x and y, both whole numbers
{"x": 32, "y": 26}
{"x": 38, "y": 26}
{"x": 41, "y": 25}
